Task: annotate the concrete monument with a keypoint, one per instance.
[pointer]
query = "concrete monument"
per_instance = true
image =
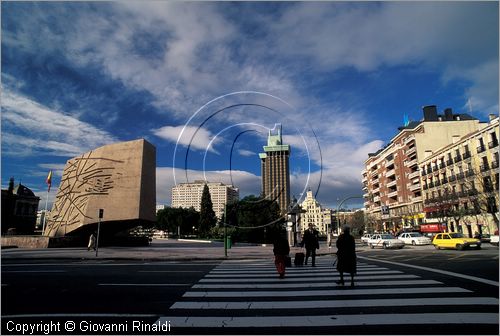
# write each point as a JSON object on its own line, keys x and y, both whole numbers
{"x": 118, "y": 178}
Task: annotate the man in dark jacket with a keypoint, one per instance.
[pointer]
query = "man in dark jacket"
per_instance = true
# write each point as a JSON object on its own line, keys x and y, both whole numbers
{"x": 346, "y": 255}
{"x": 311, "y": 242}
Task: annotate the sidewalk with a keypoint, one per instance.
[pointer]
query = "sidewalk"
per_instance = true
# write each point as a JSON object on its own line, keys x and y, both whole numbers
{"x": 159, "y": 250}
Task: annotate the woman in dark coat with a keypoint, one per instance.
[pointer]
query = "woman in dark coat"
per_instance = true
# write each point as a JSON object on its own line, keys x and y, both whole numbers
{"x": 346, "y": 256}
{"x": 281, "y": 250}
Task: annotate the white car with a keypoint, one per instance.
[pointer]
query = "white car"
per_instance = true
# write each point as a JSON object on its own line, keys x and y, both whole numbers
{"x": 385, "y": 241}
{"x": 414, "y": 238}
{"x": 494, "y": 240}
{"x": 365, "y": 237}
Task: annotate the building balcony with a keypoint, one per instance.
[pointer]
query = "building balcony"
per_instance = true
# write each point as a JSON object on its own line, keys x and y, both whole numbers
{"x": 409, "y": 140}
{"x": 392, "y": 183}
{"x": 444, "y": 180}
{"x": 431, "y": 185}
{"x": 437, "y": 183}
{"x": 457, "y": 158}
{"x": 414, "y": 187}
{"x": 484, "y": 167}
{"x": 414, "y": 174}
{"x": 494, "y": 165}
{"x": 411, "y": 150}
{"x": 366, "y": 195}
{"x": 411, "y": 163}
{"x": 376, "y": 198}
{"x": 466, "y": 155}
{"x": 416, "y": 199}
{"x": 390, "y": 172}
{"x": 449, "y": 162}
{"x": 493, "y": 143}
{"x": 452, "y": 178}
{"x": 393, "y": 194}
{"x": 442, "y": 165}
{"x": 481, "y": 149}
{"x": 376, "y": 190}
{"x": 469, "y": 173}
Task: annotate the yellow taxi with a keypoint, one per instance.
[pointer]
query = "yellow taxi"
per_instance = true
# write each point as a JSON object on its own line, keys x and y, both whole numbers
{"x": 455, "y": 240}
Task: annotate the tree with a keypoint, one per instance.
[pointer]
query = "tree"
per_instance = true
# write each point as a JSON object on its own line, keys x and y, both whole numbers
{"x": 174, "y": 220}
{"x": 357, "y": 222}
{"x": 256, "y": 218}
{"x": 207, "y": 214}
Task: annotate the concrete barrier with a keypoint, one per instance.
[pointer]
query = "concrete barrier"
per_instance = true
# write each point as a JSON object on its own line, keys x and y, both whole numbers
{"x": 26, "y": 241}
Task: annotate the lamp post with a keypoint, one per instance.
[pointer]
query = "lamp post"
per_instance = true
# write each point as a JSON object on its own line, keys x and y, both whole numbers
{"x": 101, "y": 215}
{"x": 225, "y": 232}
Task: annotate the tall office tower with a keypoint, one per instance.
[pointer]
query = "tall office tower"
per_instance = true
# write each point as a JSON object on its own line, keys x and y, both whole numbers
{"x": 275, "y": 170}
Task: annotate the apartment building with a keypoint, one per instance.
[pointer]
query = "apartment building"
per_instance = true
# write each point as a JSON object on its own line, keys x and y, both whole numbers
{"x": 391, "y": 178}
{"x": 460, "y": 182}
{"x": 188, "y": 195}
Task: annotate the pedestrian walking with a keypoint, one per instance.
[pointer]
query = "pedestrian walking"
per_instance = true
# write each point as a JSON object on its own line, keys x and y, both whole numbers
{"x": 92, "y": 241}
{"x": 311, "y": 243}
{"x": 281, "y": 250}
{"x": 346, "y": 255}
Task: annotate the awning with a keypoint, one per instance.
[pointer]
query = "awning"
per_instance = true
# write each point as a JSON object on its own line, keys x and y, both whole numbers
{"x": 432, "y": 228}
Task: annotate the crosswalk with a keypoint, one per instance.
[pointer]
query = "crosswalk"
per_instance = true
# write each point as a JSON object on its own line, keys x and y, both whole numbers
{"x": 249, "y": 295}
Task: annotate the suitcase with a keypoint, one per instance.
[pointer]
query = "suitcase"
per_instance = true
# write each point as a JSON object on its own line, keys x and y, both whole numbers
{"x": 288, "y": 261}
{"x": 299, "y": 259}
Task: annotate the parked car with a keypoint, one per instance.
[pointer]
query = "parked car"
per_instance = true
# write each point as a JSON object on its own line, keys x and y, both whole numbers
{"x": 365, "y": 237}
{"x": 455, "y": 240}
{"x": 385, "y": 241}
{"x": 494, "y": 240}
{"x": 414, "y": 238}
{"x": 484, "y": 237}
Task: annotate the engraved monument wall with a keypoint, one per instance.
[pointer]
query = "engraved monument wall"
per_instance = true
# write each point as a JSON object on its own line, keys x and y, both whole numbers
{"x": 119, "y": 178}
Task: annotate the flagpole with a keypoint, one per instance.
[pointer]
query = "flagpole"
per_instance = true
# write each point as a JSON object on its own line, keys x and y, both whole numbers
{"x": 49, "y": 184}
{"x": 45, "y": 214}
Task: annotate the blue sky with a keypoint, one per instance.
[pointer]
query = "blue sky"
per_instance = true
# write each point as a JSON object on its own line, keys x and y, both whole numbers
{"x": 338, "y": 76}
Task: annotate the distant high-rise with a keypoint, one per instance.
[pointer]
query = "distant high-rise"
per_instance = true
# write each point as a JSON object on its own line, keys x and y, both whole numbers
{"x": 275, "y": 169}
{"x": 186, "y": 195}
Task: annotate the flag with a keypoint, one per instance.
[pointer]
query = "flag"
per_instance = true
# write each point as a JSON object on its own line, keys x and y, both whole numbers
{"x": 406, "y": 121}
{"x": 49, "y": 180}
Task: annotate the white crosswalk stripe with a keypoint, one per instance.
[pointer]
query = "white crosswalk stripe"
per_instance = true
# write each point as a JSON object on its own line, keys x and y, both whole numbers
{"x": 239, "y": 294}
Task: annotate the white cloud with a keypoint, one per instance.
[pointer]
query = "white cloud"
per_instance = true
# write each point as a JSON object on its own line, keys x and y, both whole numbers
{"x": 30, "y": 128}
{"x": 195, "y": 137}
{"x": 245, "y": 152}
{"x": 458, "y": 38}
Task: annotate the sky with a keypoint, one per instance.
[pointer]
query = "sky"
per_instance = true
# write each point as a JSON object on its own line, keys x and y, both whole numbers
{"x": 204, "y": 82}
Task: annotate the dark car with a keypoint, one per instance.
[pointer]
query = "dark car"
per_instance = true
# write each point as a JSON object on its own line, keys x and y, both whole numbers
{"x": 485, "y": 237}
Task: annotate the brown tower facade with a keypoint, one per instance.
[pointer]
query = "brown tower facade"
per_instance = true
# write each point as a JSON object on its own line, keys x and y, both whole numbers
{"x": 275, "y": 170}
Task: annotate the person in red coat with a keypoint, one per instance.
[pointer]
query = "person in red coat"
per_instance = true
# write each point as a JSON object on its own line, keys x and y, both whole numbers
{"x": 346, "y": 255}
{"x": 281, "y": 250}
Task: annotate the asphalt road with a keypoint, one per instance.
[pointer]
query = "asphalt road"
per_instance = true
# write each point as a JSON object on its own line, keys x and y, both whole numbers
{"x": 397, "y": 292}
